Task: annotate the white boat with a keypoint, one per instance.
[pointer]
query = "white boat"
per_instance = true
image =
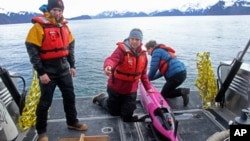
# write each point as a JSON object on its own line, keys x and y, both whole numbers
{"x": 195, "y": 122}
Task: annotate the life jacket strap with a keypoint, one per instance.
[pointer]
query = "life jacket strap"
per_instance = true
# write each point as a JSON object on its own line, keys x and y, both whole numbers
{"x": 53, "y": 50}
{"x": 128, "y": 74}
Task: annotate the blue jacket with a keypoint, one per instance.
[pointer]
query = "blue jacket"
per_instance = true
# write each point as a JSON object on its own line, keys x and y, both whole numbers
{"x": 175, "y": 65}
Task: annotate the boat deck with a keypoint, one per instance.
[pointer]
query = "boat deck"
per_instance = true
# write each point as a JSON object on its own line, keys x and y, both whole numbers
{"x": 195, "y": 123}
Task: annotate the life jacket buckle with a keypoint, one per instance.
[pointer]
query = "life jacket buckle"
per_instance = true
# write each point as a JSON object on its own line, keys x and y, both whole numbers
{"x": 52, "y": 35}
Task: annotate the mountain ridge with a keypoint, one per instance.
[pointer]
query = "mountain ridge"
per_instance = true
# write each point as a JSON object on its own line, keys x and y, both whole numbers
{"x": 239, "y": 7}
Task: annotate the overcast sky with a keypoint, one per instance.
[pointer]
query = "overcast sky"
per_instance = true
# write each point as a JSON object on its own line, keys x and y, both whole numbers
{"x": 92, "y": 7}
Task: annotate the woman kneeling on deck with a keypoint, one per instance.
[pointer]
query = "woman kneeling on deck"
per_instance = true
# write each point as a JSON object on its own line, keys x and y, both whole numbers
{"x": 126, "y": 66}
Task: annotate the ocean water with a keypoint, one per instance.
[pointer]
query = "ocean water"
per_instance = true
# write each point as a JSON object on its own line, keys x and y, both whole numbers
{"x": 222, "y": 36}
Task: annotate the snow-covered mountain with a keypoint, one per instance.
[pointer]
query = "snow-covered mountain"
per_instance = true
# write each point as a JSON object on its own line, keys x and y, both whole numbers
{"x": 222, "y": 7}
{"x": 200, "y": 7}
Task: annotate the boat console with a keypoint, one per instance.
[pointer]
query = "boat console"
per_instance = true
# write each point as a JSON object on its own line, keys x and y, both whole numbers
{"x": 237, "y": 96}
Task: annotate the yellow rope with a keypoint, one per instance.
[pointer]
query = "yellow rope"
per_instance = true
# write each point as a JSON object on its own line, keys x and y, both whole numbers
{"x": 28, "y": 116}
{"x": 206, "y": 82}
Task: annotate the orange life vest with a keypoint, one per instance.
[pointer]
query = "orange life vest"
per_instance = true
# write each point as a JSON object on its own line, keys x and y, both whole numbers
{"x": 56, "y": 39}
{"x": 163, "y": 65}
{"x": 132, "y": 66}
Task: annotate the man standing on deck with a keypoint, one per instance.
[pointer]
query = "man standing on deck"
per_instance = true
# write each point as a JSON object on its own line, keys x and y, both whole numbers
{"x": 50, "y": 46}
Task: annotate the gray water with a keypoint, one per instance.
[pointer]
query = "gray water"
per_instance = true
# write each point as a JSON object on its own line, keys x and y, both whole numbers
{"x": 222, "y": 36}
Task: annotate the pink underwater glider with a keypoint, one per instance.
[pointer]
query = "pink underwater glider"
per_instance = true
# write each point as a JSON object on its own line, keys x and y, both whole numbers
{"x": 160, "y": 113}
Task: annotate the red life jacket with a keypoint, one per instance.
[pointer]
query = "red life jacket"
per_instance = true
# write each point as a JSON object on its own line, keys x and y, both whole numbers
{"x": 56, "y": 39}
{"x": 132, "y": 66}
{"x": 163, "y": 65}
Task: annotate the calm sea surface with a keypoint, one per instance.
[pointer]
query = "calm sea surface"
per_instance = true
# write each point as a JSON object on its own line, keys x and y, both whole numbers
{"x": 222, "y": 36}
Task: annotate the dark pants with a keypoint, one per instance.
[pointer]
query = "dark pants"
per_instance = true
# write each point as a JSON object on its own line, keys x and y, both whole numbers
{"x": 169, "y": 89}
{"x": 119, "y": 104}
{"x": 65, "y": 85}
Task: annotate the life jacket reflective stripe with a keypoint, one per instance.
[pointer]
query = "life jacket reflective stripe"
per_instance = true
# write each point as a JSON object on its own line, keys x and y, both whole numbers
{"x": 163, "y": 65}
{"x": 56, "y": 39}
{"x": 132, "y": 66}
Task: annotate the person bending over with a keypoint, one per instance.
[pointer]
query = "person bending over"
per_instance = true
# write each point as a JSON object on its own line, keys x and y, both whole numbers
{"x": 164, "y": 63}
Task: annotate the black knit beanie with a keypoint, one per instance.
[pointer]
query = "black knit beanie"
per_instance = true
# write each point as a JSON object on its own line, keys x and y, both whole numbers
{"x": 55, "y": 4}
